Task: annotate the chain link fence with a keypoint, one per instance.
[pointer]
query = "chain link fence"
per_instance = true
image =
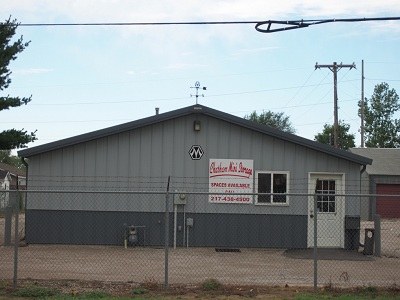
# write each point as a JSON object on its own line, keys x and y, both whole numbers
{"x": 186, "y": 238}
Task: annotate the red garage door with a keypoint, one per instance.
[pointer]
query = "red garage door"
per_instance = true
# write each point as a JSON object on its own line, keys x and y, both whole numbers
{"x": 388, "y": 207}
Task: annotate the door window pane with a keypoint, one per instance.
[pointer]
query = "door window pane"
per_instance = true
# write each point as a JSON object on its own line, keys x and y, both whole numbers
{"x": 325, "y": 202}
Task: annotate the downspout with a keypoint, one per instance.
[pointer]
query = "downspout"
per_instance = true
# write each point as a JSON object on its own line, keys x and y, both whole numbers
{"x": 26, "y": 181}
{"x": 26, "y": 166}
{"x": 364, "y": 167}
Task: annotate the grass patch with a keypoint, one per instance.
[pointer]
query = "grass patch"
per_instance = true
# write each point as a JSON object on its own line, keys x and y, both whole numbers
{"x": 95, "y": 295}
{"x": 211, "y": 284}
{"x": 359, "y": 293}
{"x": 139, "y": 291}
{"x": 86, "y": 296}
{"x": 35, "y": 292}
{"x": 344, "y": 297}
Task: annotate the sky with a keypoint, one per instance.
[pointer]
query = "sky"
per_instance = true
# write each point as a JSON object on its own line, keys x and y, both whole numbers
{"x": 86, "y": 78}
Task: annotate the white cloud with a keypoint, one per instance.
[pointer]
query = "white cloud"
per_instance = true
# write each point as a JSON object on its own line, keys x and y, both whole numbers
{"x": 31, "y": 71}
{"x": 182, "y": 66}
{"x": 49, "y": 11}
{"x": 254, "y": 50}
{"x": 195, "y": 10}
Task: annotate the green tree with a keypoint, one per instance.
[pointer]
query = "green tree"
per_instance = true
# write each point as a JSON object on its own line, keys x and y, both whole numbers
{"x": 276, "y": 120}
{"x": 11, "y": 138}
{"x": 381, "y": 129}
{"x": 345, "y": 139}
{"x": 12, "y": 160}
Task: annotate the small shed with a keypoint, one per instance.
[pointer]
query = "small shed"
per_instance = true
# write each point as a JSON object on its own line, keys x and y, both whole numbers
{"x": 382, "y": 177}
{"x": 204, "y": 151}
{"x": 18, "y": 177}
{"x": 5, "y": 181}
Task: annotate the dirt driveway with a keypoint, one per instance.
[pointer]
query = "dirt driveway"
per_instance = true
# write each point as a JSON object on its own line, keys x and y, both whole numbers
{"x": 194, "y": 265}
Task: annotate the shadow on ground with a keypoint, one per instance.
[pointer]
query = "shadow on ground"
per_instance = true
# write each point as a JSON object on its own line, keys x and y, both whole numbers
{"x": 328, "y": 254}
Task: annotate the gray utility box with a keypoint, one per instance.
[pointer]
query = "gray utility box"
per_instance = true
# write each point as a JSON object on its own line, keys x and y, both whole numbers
{"x": 180, "y": 199}
{"x": 369, "y": 241}
{"x": 352, "y": 233}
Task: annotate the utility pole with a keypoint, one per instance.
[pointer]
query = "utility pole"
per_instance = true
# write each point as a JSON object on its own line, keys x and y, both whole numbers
{"x": 197, "y": 86}
{"x": 335, "y": 68}
{"x": 362, "y": 104}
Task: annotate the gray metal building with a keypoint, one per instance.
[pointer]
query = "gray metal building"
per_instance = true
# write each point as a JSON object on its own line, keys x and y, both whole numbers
{"x": 202, "y": 150}
{"x": 382, "y": 177}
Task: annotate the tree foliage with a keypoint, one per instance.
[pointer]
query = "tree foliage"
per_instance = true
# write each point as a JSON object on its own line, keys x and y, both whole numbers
{"x": 13, "y": 138}
{"x": 12, "y": 160}
{"x": 381, "y": 129}
{"x": 345, "y": 139}
{"x": 276, "y": 120}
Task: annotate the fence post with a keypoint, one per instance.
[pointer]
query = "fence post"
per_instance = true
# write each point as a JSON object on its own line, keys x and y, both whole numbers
{"x": 166, "y": 237}
{"x": 377, "y": 235}
{"x": 7, "y": 225}
{"x": 16, "y": 239}
{"x": 315, "y": 245}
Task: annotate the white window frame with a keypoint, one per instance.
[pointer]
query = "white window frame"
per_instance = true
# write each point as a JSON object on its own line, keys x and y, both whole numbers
{"x": 287, "y": 173}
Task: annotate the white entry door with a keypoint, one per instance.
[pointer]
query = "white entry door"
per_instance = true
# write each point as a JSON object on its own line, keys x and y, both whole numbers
{"x": 330, "y": 210}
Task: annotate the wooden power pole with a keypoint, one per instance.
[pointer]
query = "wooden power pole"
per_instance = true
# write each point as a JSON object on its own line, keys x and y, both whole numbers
{"x": 362, "y": 104}
{"x": 335, "y": 68}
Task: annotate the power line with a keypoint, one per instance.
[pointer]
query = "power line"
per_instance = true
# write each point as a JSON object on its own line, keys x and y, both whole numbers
{"x": 297, "y": 24}
{"x": 284, "y": 25}
{"x": 140, "y": 23}
{"x": 182, "y": 98}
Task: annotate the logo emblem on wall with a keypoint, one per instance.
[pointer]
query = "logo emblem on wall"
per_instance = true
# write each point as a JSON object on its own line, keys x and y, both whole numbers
{"x": 196, "y": 152}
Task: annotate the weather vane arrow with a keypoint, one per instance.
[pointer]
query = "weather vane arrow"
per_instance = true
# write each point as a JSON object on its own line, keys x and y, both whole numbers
{"x": 197, "y": 87}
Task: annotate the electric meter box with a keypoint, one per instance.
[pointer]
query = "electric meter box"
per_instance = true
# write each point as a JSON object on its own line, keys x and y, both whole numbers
{"x": 180, "y": 199}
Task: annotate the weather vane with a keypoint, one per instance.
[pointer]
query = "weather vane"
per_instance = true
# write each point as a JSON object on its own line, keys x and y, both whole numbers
{"x": 197, "y": 86}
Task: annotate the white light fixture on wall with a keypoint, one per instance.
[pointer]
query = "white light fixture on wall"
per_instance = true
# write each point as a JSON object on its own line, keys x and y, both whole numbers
{"x": 196, "y": 125}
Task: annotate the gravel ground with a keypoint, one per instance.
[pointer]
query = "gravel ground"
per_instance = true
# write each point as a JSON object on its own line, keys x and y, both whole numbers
{"x": 194, "y": 265}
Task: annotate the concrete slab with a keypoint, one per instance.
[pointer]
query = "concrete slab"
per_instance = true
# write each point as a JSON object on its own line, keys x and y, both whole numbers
{"x": 328, "y": 254}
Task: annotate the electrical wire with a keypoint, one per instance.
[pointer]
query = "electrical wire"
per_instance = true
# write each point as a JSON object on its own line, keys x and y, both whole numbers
{"x": 139, "y": 23}
{"x": 285, "y": 25}
{"x": 297, "y": 24}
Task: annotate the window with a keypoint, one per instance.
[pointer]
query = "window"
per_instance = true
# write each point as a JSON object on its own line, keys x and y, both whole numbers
{"x": 272, "y": 182}
{"x": 326, "y": 200}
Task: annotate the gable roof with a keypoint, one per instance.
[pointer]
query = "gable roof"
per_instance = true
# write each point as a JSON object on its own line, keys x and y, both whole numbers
{"x": 4, "y": 174}
{"x": 13, "y": 170}
{"x": 386, "y": 161}
{"x": 196, "y": 109}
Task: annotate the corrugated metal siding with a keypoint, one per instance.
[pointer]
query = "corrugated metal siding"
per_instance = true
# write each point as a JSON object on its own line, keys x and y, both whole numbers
{"x": 210, "y": 230}
{"x": 388, "y": 207}
{"x": 142, "y": 159}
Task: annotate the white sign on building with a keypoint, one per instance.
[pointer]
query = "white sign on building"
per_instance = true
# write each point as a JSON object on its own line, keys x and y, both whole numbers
{"x": 231, "y": 177}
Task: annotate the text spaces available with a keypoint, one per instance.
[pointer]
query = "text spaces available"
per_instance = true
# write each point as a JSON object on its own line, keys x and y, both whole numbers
{"x": 232, "y": 177}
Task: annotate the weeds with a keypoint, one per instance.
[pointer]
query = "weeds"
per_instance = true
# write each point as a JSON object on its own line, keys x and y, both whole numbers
{"x": 151, "y": 284}
{"x": 96, "y": 295}
{"x": 329, "y": 286}
{"x": 139, "y": 291}
{"x": 36, "y": 292}
{"x": 394, "y": 288}
{"x": 211, "y": 284}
